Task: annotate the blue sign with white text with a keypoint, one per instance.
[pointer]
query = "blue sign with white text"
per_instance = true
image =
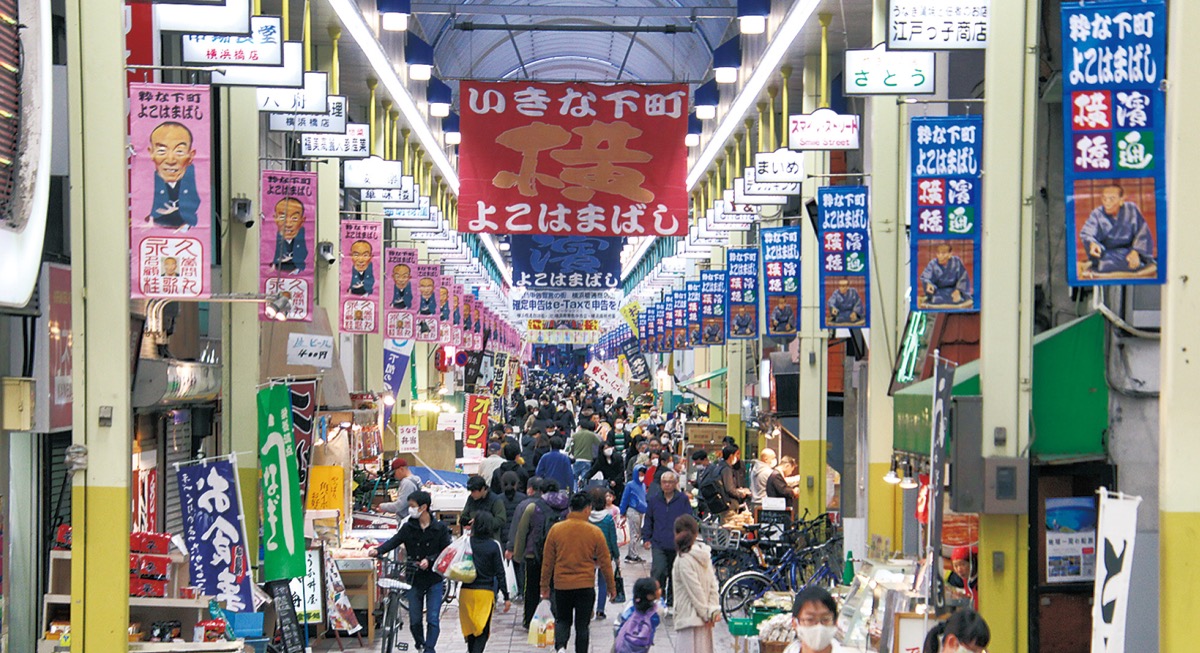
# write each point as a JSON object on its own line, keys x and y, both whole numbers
{"x": 218, "y": 561}
{"x": 781, "y": 278}
{"x": 843, "y": 230}
{"x": 566, "y": 262}
{"x": 741, "y": 296}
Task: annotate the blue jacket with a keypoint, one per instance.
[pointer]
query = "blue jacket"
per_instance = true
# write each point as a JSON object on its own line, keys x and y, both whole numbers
{"x": 181, "y": 212}
{"x": 556, "y": 465}
{"x": 659, "y": 526}
{"x": 296, "y": 252}
{"x": 635, "y": 494}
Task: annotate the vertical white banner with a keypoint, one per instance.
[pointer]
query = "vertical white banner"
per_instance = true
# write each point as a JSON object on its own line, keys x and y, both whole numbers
{"x": 1114, "y": 564}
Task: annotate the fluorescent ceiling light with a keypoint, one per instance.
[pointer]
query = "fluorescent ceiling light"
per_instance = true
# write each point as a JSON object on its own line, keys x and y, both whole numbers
{"x": 752, "y": 24}
{"x": 453, "y": 138}
{"x": 725, "y": 75}
{"x": 420, "y": 72}
{"x": 801, "y": 12}
{"x": 691, "y": 140}
{"x": 394, "y": 22}
{"x": 354, "y": 23}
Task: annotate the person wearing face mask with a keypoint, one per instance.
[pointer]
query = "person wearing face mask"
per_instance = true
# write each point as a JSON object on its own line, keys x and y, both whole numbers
{"x": 964, "y": 632}
{"x": 611, "y": 467}
{"x": 408, "y": 485}
{"x": 814, "y": 616}
{"x": 761, "y": 474}
{"x": 424, "y": 538}
{"x": 633, "y": 506}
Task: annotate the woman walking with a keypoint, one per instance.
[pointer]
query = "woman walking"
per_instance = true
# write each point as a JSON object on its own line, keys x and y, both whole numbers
{"x": 697, "y": 606}
{"x": 477, "y": 599}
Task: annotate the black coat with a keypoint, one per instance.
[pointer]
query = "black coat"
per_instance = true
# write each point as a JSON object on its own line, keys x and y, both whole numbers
{"x": 613, "y": 470}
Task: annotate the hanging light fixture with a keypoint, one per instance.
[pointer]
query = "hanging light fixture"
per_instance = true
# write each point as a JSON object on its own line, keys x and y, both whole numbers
{"x": 419, "y": 57}
{"x": 909, "y": 482}
{"x": 694, "y": 130}
{"x": 891, "y": 478}
{"x": 277, "y": 308}
{"x": 393, "y": 14}
{"x": 706, "y": 100}
{"x": 727, "y": 59}
{"x": 440, "y": 96}
{"x": 752, "y": 16}
{"x": 450, "y": 129}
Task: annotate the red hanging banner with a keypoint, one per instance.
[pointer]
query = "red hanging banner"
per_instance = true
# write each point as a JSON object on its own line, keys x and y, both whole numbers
{"x": 582, "y": 159}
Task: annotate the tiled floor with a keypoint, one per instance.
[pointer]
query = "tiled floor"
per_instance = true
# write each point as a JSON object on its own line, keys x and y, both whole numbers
{"x": 508, "y": 635}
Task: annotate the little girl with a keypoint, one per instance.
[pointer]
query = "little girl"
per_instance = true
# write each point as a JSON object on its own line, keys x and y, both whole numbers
{"x": 637, "y": 624}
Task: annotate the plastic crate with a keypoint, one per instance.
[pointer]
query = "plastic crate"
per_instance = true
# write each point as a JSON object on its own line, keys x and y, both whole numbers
{"x": 246, "y": 624}
{"x": 743, "y": 628}
{"x": 259, "y": 644}
{"x": 759, "y": 615}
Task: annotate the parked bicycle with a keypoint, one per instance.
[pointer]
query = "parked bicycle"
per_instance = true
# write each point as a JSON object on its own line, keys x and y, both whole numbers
{"x": 390, "y": 610}
{"x": 797, "y": 569}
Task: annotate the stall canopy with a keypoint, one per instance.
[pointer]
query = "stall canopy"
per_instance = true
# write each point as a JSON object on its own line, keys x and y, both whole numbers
{"x": 704, "y": 377}
{"x": 1070, "y": 396}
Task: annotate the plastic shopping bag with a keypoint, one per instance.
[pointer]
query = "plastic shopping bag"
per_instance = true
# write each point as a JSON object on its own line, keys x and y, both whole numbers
{"x": 463, "y": 570}
{"x": 452, "y": 554}
{"x": 622, "y": 532}
{"x": 541, "y": 627}
{"x": 510, "y": 578}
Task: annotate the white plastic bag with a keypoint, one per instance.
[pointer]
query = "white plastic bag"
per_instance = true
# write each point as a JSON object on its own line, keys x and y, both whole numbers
{"x": 541, "y": 627}
{"x": 452, "y": 554}
{"x": 510, "y": 578}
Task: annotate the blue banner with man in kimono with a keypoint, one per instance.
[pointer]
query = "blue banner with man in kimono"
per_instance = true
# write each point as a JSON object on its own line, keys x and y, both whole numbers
{"x": 712, "y": 307}
{"x": 741, "y": 297}
{"x": 693, "y": 313}
{"x": 945, "y": 213}
{"x": 566, "y": 262}
{"x": 1114, "y": 119}
{"x": 781, "y": 279}
{"x": 218, "y": 559}
{"x": 844, "y": 235}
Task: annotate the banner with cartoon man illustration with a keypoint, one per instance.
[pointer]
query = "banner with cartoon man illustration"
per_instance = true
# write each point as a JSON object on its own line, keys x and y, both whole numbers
{"x": 289, "y": 207}
{"x": 359, "y": 283}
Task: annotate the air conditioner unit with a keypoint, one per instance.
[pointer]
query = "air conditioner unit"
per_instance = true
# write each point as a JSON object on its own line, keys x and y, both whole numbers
{"x": 1143, "y": 306}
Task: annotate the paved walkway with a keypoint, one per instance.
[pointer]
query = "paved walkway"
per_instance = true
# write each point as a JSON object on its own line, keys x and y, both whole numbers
{"x": 508, "y": 635}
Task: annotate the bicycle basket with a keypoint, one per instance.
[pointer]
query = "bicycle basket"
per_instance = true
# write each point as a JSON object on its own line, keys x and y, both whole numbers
{"x": 719, "y": 539}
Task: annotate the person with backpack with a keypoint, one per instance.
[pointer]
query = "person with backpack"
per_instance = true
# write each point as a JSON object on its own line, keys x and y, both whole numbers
{"x": 512, "y": 463}
{"x": 718, "y": 489}
{"x": 658, "y": 529}
{"x": 574, "y": 549}
{"x": 638, "y": 623}
{"x": 529, "y": 539}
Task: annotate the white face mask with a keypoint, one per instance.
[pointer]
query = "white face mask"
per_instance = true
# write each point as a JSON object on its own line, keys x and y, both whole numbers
{"x": 608, "y": 451}
{"x": 414, "y": 512}
{"x": 816, "y": 637}
{"x": 654, "y": 462}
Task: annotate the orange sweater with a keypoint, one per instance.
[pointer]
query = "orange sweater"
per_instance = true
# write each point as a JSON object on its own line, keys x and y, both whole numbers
{"x": 574, "y": 548}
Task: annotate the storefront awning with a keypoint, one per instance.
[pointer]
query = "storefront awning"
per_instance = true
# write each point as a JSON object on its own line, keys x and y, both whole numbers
{"x": 1070, "y": 395}
{"x": 704, "y": 377}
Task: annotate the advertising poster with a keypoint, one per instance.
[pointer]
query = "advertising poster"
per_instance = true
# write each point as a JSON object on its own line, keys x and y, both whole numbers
{"x": 362, "y": 244}
{"x": 476, "y": 423}
{"x": 643, "y": 334}
{"x": 456, "y": 315}
{"x": 843, "y": 230}
{"x": 287, "y": 245}
{"x": 741, "y": 296}
{"x": 468, "y": 328}
{"x": 399, "y": 293}
{"x": 693, "y": 295}
{"x": 170, "y": 191}
{"x": 52, "y": 362}
{"x": 712, "y": 307}
{"x": 445, "y": 310}
{"x": 304, "y": 423}
{"x": 1114, "y": 114}
{"x": 396, "y": 357}
{"x": 1070, "y": 540}
{"x": 218, "y": 562}
{"x": 283, "y": 514}
{"x": 668, "y": 309}
{"x": 566, "y": 262}
{"x": 573, "y": 159}
{"x": 781, "y": 278}
{"x": 679, "y": 301}
{"x": 945, "y": 215}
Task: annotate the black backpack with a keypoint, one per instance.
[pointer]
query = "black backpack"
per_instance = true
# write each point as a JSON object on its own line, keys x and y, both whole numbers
{"x": 550, "y": 517}
{"x": 711, "y": 490}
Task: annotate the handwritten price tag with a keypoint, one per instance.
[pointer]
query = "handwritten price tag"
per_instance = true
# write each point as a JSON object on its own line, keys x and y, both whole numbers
{"x": 305, "y": 349}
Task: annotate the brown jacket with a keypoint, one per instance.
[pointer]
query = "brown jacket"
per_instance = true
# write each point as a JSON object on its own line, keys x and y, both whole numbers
{"x": 574, "y": 548}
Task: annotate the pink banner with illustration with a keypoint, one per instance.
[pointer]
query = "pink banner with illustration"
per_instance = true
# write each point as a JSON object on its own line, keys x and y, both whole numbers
{"x": 456, "y": 314}
{"x": 468, "y": 339}
{"x": 445, "y": 310}
{"x": 170, "y": 191}
{"x": 285, "y": 251}
{"x": 429, "y": 278}
{"x": 400, "y": 293}
{"x": 359, "y": 281}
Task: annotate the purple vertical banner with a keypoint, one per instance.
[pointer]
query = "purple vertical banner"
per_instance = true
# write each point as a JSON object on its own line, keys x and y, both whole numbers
{"x": 712, "y": 307}
{"x": 693, "y": 313}
{"x": 396, "y": 355}
{"x": 781, "y": 278}
{"x": 285, "y": 260}
{"x": 1114, "y": 115}
{"x": 218, "y": 562}
{"x": 359, "y": 282}
{"x": 947, "y": 185}
{"x": 399, "y": 293}
{"x": 843, "y": 229}
{"x": 170, "y": 191}
{"x": 742, "y": 294}
{"x": 429, "y": 277}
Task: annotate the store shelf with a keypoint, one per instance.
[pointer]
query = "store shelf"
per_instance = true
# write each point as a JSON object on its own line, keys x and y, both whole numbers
{"x": 143, "y": 602}
{"x": 210, "y": 647}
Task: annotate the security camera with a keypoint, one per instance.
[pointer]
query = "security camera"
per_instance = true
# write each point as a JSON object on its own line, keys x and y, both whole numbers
{"x": 242, "y": 211}
{"x": 325, "y": 251}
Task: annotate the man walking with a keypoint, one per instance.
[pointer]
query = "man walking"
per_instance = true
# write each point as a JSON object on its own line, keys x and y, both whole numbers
{"x": 658, "y": 529}
{"x": 575, "y": 548}
{"x": 584, "y": 444}
{"x": 556, "y": 465}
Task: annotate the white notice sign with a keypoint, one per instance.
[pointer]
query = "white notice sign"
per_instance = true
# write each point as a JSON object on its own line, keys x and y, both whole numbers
{"x": 782, "y": 165}
{"x": 333, "y": 121}
{"x": 263, "y": 46}
{"x": 352, "y": 144}
{"x": 938, "y": 24}
{"x": 888, "y": 72}
{"x": 823, "y": 129}
{"x": 306, "y": 349}
{"x": 311, "y": 98}
{"x": 452, "y": 422}
{"x": 406, "y": 437}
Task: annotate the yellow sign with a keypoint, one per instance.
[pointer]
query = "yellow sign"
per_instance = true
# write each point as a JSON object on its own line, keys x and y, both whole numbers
{"x": 326, "y": 488}
{"x": 630, "y": 312}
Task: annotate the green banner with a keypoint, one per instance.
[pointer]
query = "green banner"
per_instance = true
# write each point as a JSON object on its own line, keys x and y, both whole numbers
{"x": 283, "y": 515}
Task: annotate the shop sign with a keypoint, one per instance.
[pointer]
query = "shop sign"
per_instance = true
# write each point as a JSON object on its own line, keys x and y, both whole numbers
{"x": 781, "y": 278}
{"x": 605, "y": 375}
{"x": 945, "y": 213}
{"x": 309, "y": 99}
{"x": 782, "y": 165}
{"x": 372, "y": 172}
{"x": 629, "y": 313}
{"x": 310, "y": 349}
{"x": 262, "y": 46}
{"x": 304, "y": 422}
{"x": 361, "y": 244}
{"x": 712, "y": 306}
{"x": 844, "y": 235}
{"x": 407, "y": 440}
{"x": 740, "y": 196}
{"x": 693, "y": 313}
{"x": 727, "y": 211}
{"x": 170, "y": 184}
{"x": 400, "y": 293}
{"x": 632, "y": 352}
{"x": 208, "y": 16}
{"x": 564, "y": 337}
{"x": 288, "y": 75}
{"x": 578, "y": 158}
{"x": 52, "y": 356}
{"x": 1115, "y": 147}
{"x": 823, "y": 129}
{"x": 566, "y": 262}
{"x": 566, "y": 305}
{"x": 218, "y": 562}
{"x": 428, "y": 300}
{"x": 1117, "y": 536}
{"x": 888, "y": 72}
{"x": 332, "y": 121}
{"x": 307, "y": 592}
{"x": 396, "y": 357}
{"x": 351, "y": 144}
{"x": 399, "y": 198}
{"x": 756, "y": 186}
{"x": 938, "y": 24}
{"x": 476, "y": 423}
{"x": 283, "y": 514}
{"x": 285, "y": 253}
{"x": 943, "y": 391}
{"x": 742, "y": 294}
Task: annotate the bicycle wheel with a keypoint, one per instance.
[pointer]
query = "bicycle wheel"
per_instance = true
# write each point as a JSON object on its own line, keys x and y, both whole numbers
{"x": 389, "y": 623}
{"x": 732, "y": 562}
{"x": 741, "y": 590}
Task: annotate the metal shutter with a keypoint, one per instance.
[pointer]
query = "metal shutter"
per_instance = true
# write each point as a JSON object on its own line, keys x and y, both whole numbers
{"x": 176, "y": 448}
